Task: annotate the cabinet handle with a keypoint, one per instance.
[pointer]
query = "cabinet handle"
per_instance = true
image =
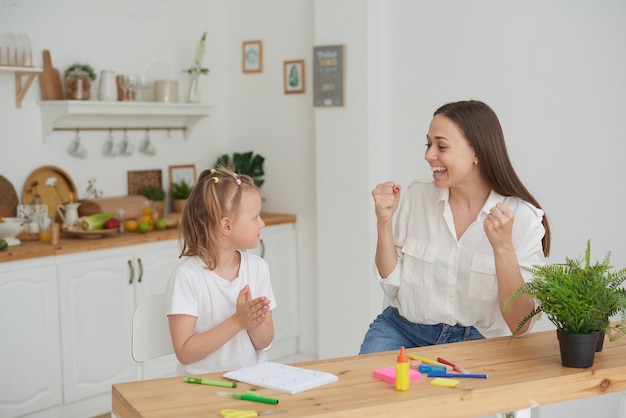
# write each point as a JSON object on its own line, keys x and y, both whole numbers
{"x": 132, "y": 272}
{"x": 262, "y": 248}
{"x": 140, "y": 269}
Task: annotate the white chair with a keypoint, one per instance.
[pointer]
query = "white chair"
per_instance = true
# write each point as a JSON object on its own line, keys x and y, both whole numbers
{"x": 151, "y": 332}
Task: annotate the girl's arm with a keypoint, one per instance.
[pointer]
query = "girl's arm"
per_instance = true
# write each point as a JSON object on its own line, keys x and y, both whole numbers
{"x": 250, "y": 314}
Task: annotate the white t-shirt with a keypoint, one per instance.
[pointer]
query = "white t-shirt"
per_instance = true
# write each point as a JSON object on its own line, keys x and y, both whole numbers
{"x": 439, "y": 279}
{"x": 195, "y": 290}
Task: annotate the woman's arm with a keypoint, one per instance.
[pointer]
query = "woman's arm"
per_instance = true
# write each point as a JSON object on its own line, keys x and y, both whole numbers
{"x": 386, "y": 198}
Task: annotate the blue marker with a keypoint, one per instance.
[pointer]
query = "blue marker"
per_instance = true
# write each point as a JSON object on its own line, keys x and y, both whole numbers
{"x": 428, "y": 368}
{"x": 456, "y": 376}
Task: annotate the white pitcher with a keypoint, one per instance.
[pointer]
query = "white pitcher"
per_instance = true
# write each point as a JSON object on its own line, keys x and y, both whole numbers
{"x": 68, "y": 213}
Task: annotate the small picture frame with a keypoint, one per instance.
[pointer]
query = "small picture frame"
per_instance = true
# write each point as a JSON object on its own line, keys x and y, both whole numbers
{"x": 185, "y": 172}
{"x": 293, "y": 75}
{"x": 252, "y": 58}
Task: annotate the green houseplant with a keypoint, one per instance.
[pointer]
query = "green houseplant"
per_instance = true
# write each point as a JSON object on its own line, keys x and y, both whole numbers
{"x": 246, "y": 163}
{"x": 579, "y": 298}
{"x": 180, "y": 193}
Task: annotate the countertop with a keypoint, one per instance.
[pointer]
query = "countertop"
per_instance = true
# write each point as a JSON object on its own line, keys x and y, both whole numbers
{"x": 68, "y": 245}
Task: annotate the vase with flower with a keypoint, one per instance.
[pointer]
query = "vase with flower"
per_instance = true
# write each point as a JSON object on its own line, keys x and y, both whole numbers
{"x": 193, "y": 90}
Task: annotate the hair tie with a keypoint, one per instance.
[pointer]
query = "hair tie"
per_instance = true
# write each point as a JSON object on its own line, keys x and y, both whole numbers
{"x": 238, "y": 181}
{"x": 213, "y": 171}
{"x": 215, "y": 180}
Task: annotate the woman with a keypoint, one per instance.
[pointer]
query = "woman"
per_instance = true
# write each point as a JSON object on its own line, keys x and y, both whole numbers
{"x": 460, "y": 239}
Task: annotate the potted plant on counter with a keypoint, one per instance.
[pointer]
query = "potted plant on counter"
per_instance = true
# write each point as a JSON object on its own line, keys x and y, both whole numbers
{"x": 579, "y": 298}
{"x": 180, "y": 193}
{"x": 246, "y": 163}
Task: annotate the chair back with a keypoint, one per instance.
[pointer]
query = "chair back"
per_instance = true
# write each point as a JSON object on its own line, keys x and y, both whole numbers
{"x": 151, "y": 332}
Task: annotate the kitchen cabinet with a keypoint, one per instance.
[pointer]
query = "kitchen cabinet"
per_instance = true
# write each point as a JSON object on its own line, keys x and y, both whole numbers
{"x": 98, "y": 293}
{"x": 30, "y": 355}
{"x": 278, "y": 247}
{"x": 66, "y": 312}
{"x": 100, "y": 115}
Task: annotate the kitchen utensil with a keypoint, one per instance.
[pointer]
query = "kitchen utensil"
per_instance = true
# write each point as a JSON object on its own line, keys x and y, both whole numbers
{"x": 77, "y": 149}
{"x": 50, "y": 80}
{"x": 166, "y": 91}
{"x": 68, "y": 213}
{"x": 147, "y": 147}
{"x": 108, "y": 148}
{"x": 8, "y": 198}
{"x": 131, "y": 204}
{"x": 10, "y": 228}
{"x": 107, "y": 89}
{"x": 125, "y": 147}
{"x": 52, "y": 185}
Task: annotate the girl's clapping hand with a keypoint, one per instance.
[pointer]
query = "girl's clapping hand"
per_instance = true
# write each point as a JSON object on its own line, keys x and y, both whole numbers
{"x": 251, "y": 312}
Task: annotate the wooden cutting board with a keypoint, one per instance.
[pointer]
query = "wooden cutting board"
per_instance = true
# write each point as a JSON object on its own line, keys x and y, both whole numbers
{"x": 50, "y": 80}
{"x": 132, "y": 205}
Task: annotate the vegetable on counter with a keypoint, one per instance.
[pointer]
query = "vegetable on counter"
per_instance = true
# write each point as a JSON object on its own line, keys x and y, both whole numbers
{"x": 95, "y": 221}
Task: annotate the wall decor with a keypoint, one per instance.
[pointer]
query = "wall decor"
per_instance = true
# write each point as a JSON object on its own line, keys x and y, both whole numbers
{"x": 252, "y": 59}
{"x": 328, "y": 76}
{"x": 139, "y": 180}
{"x": 185, "y": 172}
{"x": 293, "y": 76}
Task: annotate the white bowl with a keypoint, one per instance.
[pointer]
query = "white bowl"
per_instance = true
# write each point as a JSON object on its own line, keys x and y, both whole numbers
{"x": 11, "y": 227}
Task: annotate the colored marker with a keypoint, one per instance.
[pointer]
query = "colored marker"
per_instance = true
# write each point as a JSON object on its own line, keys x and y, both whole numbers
{"x": 249, "y": 395}
{"x": 431, "y": 368}
{"x": 210, "y": 382}
{"x": 454, "y": 366}
{"x": 456, "y": 376}
{"x": 424, "y": 360}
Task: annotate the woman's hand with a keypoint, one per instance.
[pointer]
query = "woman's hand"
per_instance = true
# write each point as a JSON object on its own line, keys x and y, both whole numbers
{"x": 386, "y": 199}
{"x": 498, "y": 226}
{"x": 251, "y": 312}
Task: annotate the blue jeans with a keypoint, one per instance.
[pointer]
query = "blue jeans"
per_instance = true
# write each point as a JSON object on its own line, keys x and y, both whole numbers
{"x": 390, "y": 331}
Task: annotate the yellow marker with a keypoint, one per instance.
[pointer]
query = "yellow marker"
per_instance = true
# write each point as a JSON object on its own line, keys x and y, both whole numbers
{"x": 425, "y": 360}
{"x": 444, "y": 382}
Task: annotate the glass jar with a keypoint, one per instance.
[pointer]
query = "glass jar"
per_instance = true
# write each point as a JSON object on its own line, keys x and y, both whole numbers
{"x": 78, "y": 85}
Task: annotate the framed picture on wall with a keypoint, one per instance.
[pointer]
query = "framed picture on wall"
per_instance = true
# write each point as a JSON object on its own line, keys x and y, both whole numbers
{"x": 252, "y": 59}
{"x": 186, "y": 172}
{"x": 293, "y": 75}
{"x": 329, "y": 80}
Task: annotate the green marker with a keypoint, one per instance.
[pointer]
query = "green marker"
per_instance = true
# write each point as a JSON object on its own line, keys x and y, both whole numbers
{"x": 249, "y": 395}
{"x": 210, "y": 382}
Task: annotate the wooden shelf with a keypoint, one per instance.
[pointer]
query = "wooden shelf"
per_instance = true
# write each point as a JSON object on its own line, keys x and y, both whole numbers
{"x": 24, "y": 77}
{"x": 58, "y": 115}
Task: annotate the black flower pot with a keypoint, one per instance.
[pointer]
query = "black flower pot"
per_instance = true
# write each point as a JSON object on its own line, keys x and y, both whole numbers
{"x": 600, "y": 343}
{"x": 577, "y": 350}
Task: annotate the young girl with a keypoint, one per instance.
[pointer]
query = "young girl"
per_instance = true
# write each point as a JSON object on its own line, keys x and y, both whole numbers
{"x": 219, "y": 298}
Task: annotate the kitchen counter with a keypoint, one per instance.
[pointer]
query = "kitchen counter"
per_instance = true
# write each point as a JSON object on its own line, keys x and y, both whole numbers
{"x": 68, "y": 244}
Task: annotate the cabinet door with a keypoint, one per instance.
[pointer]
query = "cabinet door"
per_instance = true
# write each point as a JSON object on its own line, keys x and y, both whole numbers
{"x": 97, "y": 305}
{"x": 278, "y": 247}
{"x": 155, "y": 263}
{"x": 30, "y": 355}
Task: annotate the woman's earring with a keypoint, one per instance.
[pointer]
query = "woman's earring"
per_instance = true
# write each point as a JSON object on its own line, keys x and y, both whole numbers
{"x": 476, "y": 162}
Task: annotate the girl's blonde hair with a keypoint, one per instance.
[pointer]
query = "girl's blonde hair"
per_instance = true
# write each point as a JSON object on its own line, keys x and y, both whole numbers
{"x": 216, "y": 194}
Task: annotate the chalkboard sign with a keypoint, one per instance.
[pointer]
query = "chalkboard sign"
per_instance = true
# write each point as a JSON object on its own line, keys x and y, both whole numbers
{"x": 328, "y": 75}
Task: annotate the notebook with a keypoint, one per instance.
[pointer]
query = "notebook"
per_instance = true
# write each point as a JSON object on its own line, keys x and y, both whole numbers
{"x": 281, "y": 377}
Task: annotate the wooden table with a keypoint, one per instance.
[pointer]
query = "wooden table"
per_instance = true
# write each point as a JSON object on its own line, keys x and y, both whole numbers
{"x": 522, "y": 373}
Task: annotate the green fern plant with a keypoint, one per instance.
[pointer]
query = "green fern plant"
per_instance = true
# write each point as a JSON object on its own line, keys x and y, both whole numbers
{"x": 246, "y": 163}
{"x": 181, "y": 190}
{"x": 578, "y": 297}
